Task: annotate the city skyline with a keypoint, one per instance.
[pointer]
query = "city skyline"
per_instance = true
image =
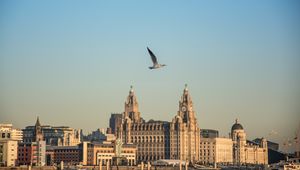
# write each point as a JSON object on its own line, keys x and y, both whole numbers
{"x": 73, "y": 63}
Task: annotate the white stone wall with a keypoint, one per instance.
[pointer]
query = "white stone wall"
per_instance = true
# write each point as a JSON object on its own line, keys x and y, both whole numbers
{"x": 8, "y": 152}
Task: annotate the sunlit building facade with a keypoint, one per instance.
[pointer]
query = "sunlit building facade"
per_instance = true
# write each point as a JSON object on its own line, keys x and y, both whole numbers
{"x": 247, "y": 152}
{"x": 54, "y": 135}
{"x": 178, "y": 139}
{"x": 216, "y": 150}
{"x": 9, "y": 139}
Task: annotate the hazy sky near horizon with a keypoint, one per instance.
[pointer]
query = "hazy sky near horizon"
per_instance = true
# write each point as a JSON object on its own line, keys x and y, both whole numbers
{"x": 72, "y": 62}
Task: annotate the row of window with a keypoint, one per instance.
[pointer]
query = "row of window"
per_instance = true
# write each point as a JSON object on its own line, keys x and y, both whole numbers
{"x": 150, "y": 157}
{"x": 147, "y": 127}
{"x": 64, "y": 151}
{"x": 147, "y": 139}
{"x": 5, "y": 135}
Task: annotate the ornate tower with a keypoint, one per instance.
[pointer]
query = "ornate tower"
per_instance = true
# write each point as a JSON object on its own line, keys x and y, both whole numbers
{"x": 184, "y": 131}
{"x": 238, "y": 136}
{"x": 186, "y": 111}
{"x": 38, "y": 134}
{"x": 132, "y": 107}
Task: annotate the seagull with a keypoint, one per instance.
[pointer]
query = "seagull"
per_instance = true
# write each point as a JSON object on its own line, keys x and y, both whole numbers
{"x": 154, "y": 60}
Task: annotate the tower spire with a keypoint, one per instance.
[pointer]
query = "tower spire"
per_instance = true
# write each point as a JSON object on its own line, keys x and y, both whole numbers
{"x": 38, "y": 131}
{"x": 38, "y": 122}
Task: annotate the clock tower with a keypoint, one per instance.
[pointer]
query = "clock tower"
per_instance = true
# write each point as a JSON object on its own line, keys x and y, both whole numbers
{"x": 184, "y": 131}
{"x": 186, "y": 111}
{"x": 132, "y": 107}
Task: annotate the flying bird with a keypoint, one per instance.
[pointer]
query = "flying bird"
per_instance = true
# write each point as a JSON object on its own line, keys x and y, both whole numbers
{"x": 154, "y": 60}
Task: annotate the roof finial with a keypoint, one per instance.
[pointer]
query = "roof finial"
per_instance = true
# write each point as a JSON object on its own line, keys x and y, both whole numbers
{"x": 185, "y": 87}
{"x": 236, "y": 120}
{"x": 131, "y": 88}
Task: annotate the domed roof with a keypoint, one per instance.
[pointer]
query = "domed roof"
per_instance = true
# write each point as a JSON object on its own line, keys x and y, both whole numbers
{"x": 236, "y": 126}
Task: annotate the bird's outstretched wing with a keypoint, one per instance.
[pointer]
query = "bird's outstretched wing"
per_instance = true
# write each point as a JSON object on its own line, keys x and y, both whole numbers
{"x": 154, "y": 60}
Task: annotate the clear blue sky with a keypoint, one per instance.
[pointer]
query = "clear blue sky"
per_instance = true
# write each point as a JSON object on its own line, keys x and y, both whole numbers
{"x": 72, "y": 62}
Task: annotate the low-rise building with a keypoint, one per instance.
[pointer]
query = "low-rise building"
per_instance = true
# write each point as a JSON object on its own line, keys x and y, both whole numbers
{"x": 33, "y": 153}
{"x": 93, "y": 153}
{"x": 70, "y": 155}
{"x": 9, "y": 138}
{"x": 245, "y": 151}
{"x": 8, "y": 152}
{"x": 54, "y": 135}
{"x": 216, "y": 150}
{"x": 7, "y": 130}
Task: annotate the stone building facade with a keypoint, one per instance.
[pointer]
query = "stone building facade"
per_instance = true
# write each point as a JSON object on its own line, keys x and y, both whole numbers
{"x": 13, "y": 133}
{"x": 9, "y": 139}
{"x": 216, "y": 150}
{"x": 8, "y": 152}
{"x": 247, "y": 152}
{"x": 33, "y": 152}
{"x": 54, "y": 136}
{"x": 70, "y": 155}
{"x": 94, "y": 153}
{"x": 178, "y": 139}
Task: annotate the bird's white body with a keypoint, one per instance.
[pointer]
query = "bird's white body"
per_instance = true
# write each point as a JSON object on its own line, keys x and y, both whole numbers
{"x": 155, "y": 66}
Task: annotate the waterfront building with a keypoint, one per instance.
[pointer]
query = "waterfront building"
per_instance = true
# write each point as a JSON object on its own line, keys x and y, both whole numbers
{"x": 216, "y": 150}
{"x": 9, "y": 138}
{"x": 178, "y": 139}
{"x": 70, "y": 155}
{"x": 8, "y": 152}
{"x": 247, "y": 152}
{"x": 33, "y": 153}
{"x": 93, "y": 153}
{"x": 8, "y": 130}
{"x": 53, "y": 135}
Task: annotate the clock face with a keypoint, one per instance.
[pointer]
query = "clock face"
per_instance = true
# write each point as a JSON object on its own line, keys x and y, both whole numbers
{"x": 183, "y": 108}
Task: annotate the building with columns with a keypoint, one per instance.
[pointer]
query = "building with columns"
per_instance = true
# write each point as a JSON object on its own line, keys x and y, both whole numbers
{"x": 235, "y": 150}
{"x": 93, "y": 153}
{"x": 245, "y": 151}
{"x": 178, "y": 139}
